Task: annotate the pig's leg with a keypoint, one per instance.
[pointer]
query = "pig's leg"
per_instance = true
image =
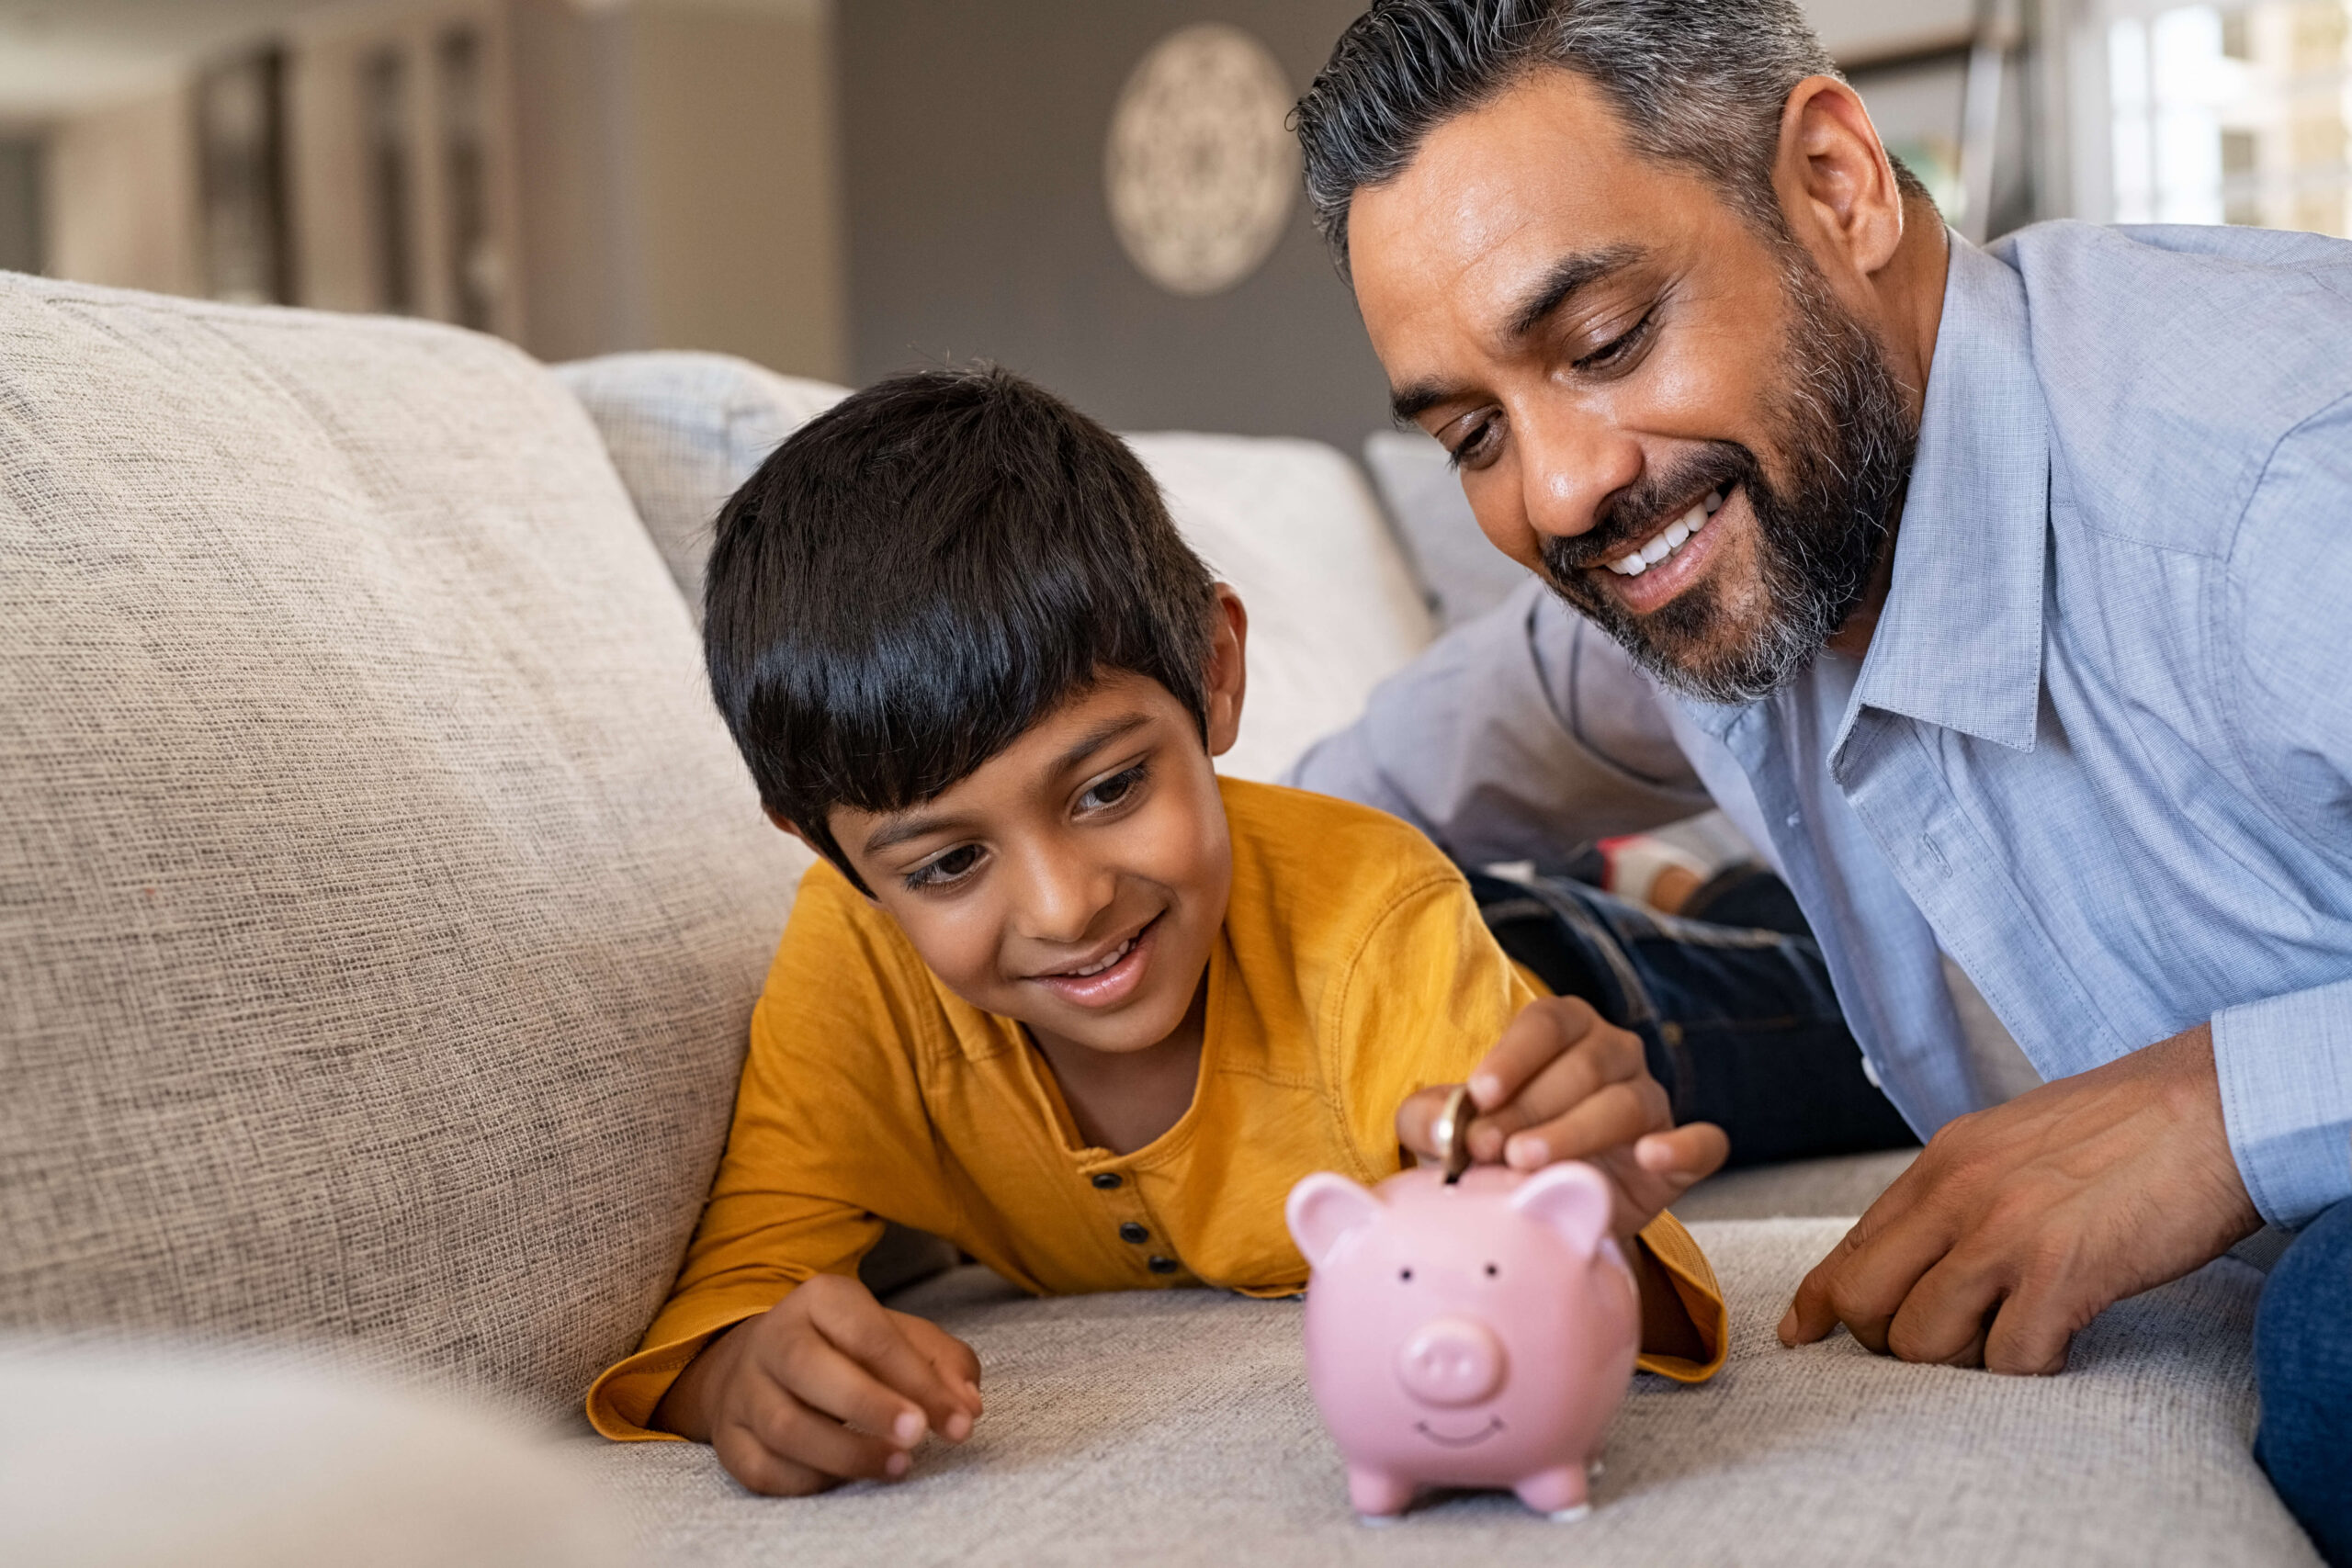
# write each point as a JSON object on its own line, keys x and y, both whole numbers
{"x": 1379, "y": 1497}
{"x": 1558, "y": 1493}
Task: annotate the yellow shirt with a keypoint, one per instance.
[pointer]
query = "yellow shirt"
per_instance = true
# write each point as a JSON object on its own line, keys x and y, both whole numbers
{"x": 1353, "y": 969}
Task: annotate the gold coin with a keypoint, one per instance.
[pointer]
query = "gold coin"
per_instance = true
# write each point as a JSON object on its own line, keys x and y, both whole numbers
{"x": 1450, "y": 1132}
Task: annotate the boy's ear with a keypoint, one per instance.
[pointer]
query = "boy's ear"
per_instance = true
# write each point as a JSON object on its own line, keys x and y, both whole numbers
{"x": 784, "y": 824}
{"x": 1228, "y": 669}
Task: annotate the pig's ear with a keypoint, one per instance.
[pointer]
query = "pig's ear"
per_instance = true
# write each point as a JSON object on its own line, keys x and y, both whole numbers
{"x": 1325, "y": 1207}
{"x": 1573, "y": 1198}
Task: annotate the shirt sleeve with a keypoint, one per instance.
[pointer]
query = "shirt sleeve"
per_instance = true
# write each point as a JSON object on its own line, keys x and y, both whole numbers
{"x": 1428, "y": 996}
{"x": 830, "y": 1138}
{"x": 2285, "y": 1062}
{"x": 1524, "y": 734}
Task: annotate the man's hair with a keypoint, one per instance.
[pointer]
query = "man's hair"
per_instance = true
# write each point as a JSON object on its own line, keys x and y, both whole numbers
{"x": 1695, "y": 82}
{"x": 921, "y": 574}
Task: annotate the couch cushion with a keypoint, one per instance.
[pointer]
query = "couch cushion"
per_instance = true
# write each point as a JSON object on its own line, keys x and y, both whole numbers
{"x": 381, "y": 904}
{"x": 684, "y": 431}
{"x": 1333, "y": 606}
{"x": 1175, "y": 1428}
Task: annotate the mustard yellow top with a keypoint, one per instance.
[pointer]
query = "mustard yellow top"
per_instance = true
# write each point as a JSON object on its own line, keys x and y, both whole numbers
{"x": 1353, "y": 969}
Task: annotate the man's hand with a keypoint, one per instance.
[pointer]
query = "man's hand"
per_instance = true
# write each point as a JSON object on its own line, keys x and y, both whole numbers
{"x": 826, "y": 1386}
{"x": 2019, "y": 1224}
{"x": 1562, "y": 1084}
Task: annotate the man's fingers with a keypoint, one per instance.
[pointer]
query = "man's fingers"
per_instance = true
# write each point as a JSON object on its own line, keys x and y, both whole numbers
{"x": 1943, "y": 1319}
{"x": 1865, "y": 1280}
{"x": 2031, "y": 1335}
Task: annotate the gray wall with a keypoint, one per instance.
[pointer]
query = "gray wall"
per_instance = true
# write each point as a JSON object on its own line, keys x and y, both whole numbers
{"x": 973, "y": 160}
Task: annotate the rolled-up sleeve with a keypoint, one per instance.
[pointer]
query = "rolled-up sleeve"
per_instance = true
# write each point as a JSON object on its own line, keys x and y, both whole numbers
{"x": 1521, "y": 736}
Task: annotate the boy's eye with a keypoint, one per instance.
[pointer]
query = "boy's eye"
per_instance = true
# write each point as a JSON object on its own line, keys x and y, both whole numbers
{"x": 1112, "y": 790}
{"x": 948, "y": 868}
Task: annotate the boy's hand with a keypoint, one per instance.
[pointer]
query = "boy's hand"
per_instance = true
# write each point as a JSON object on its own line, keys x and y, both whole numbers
{"x": 828, "y": 1385}
{"x": 1562, "y": 1084}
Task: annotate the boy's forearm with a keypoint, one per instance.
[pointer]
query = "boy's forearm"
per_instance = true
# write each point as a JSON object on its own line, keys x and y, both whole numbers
{"x": 1668, "y": 1328}
{"x": 685, "y": 1408}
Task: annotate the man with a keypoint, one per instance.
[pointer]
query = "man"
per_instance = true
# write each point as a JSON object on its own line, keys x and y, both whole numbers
{"x": 1999, "y": 596}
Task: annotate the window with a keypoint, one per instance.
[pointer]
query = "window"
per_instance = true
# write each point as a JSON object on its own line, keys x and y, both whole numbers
{"x": 2232, "y": 115}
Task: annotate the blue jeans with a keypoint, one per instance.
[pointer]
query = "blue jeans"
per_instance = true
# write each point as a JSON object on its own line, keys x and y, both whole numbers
{"x": 2303, "y": 1362}
{"x": 1738, "y": 1021}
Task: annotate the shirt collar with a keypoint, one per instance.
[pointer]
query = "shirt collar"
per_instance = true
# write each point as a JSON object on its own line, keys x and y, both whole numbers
{"x": 1959, "y": 644}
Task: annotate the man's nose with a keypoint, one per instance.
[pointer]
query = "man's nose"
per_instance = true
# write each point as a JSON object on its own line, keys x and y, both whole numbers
{"x": 1569, "y": 465}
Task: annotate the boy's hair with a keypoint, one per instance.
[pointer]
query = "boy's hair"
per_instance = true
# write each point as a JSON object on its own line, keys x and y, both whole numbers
{"x": 921, "y": 573}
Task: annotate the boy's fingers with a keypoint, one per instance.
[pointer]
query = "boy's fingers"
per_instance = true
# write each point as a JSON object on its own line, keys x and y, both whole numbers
{"x": 1417, "y": 1123}
{"x": 1612, "y": 1115}
{"x": 957, "y": 1366}
{"x": 749, "y": 1461}
{"x": 867, "y": 1332}
{"x": 1544, "y": 1029}
{"x": 792, "y": 1431}
{"x": 1684, "y": 1154}
{"x": 817, "y": 1374}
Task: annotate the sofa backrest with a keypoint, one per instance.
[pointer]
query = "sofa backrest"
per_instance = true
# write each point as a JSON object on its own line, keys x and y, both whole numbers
{"x": 1333, "y": 606}
{"x": 381, "y": 904}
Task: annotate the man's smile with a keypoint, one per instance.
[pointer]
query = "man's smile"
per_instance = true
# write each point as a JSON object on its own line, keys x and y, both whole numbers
{"x": 1683, "y": 550}
{"x": 1669, "y": 539}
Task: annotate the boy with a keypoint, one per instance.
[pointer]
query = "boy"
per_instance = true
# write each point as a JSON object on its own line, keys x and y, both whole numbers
{"x": 1054, "y": 991}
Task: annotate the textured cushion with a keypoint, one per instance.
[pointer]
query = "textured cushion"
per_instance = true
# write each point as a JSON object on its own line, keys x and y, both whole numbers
{"x": 381, "y": 904}
{"x": 1466, "y": 576}
{"x": 1333, "y": 606}
{"x": 114, "y": 1458}
{"x": 1175, "y": 1428}
{"x": 684, "y": 431}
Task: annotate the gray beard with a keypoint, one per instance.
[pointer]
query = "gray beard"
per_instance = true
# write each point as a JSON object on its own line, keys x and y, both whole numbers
{"x": 1847, "y": 441}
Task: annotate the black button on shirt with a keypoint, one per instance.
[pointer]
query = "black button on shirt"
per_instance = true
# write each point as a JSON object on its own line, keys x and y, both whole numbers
{"x": 1159, "y": 1264}
{"x": 1133, "y": 1232}
{"x": 1104, "y": 1180}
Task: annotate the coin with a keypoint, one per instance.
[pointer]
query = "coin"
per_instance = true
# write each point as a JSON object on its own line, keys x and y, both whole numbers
{"x": 1450, "y": 1132}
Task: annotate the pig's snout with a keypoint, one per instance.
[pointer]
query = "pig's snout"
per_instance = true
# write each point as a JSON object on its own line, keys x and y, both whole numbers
{"x": 1451, "y": 1360}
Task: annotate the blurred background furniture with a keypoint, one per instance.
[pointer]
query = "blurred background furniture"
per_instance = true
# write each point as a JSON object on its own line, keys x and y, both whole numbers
{"x": 381, "y": 909}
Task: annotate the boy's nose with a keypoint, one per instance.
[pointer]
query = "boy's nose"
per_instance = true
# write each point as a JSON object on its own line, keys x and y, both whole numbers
{"x": 1062, "y": 901}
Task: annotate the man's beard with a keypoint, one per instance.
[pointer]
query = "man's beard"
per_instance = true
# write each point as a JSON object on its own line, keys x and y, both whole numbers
{"x": 1847, "y": 441}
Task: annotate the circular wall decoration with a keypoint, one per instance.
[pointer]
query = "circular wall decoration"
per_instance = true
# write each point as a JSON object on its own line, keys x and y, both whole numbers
{"x": 1200, "y": 169}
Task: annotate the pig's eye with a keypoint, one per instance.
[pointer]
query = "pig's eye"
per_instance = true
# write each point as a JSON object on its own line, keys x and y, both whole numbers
{"x": 1406, "y": 1275}
{"x": 1492, "y": 1271}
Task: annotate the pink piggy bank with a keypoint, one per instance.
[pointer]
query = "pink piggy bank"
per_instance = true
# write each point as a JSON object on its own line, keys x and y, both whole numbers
{"x": 1480, "y": 1333}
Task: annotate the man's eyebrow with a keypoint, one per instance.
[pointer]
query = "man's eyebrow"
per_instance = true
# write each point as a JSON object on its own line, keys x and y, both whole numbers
{"x": 899, "y": 829}
{"x": 1567, "y": 277}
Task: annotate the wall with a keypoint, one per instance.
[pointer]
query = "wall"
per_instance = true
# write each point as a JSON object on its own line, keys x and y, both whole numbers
{"x": 973, "y": 153}
{"x": 680, "y": 180}
{"x": 119, "y": 194}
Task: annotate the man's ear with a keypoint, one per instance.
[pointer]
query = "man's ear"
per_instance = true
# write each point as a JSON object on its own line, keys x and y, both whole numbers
{"x": 1229, "y": 671}
{"x": 1323, "y": 1208}
{"x": 1835, "y": 180}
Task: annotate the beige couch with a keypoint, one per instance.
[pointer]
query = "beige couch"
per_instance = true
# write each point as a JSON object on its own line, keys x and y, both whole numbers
{"x": 380, "y": 910}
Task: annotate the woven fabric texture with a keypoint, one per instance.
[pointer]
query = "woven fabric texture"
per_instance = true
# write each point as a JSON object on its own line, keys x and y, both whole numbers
{"x": 381, "y": 904}
{"x": 1174, "y": 1428}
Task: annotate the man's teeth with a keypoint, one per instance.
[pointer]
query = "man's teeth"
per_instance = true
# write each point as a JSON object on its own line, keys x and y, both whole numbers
{"x": 1116, "y": 953}
{"x": 1676, "y": 533}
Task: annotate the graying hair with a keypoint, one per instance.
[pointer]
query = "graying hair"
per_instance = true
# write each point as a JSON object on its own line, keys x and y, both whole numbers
{"x": 1695, "y": 82}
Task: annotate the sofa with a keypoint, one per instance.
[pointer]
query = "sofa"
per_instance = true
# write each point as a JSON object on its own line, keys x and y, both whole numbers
{"x": 381, "y": 908}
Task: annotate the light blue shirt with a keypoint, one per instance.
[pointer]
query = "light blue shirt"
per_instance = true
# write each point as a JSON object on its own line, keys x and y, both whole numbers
{"x": 2101, "y": 749}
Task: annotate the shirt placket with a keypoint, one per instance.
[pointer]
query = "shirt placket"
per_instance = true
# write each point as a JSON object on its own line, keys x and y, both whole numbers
{"x": 1134, "y": 1235}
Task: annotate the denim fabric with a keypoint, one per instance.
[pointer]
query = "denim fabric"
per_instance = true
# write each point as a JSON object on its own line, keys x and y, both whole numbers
{"x": 1740, "y": 1024}
{"x": 2304, "y": 1362}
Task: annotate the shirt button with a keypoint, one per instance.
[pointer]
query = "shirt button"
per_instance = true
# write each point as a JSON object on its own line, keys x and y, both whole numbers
{"x": 1159, "y": 1264}
{"x": 1796, "y": 818}
{"x": 1104, "y": 1180}
{"x": 1132, "y": 1231}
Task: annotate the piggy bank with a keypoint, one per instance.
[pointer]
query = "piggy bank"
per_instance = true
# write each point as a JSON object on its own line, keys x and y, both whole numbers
{"x": 1475, "y": 1334}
